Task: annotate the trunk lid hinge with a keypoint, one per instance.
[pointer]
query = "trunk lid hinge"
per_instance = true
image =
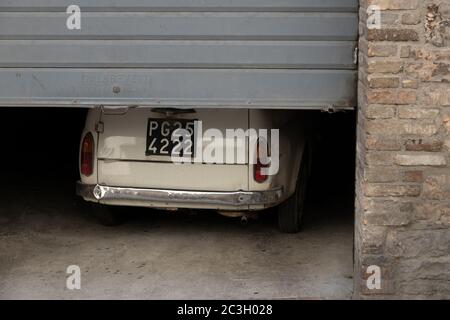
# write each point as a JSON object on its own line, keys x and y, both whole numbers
{"x": 99, "y": 127}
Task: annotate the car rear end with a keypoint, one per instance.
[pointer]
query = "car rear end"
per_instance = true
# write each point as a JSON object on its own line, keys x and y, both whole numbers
{"x": 126, "y": 159}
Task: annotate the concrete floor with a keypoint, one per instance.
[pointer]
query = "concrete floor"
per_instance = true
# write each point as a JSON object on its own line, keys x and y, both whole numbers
{"x": 168, "y": 256}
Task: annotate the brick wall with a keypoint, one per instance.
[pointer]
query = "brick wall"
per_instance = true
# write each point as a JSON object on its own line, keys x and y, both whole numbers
{"x": 403, "y": 163}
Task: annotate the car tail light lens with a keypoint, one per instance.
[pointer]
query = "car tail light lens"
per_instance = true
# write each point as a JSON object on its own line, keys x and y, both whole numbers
{"x": 87, "y": 155}
{"x": 257, "y": 168}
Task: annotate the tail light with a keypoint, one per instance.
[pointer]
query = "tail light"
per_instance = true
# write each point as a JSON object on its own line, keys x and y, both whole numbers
{"x": 87, "y": 155}
{"x": 257, "y": 168}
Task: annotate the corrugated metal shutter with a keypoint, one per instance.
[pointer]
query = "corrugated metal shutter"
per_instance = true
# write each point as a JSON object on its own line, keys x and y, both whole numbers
{"x": 232, "y": 53}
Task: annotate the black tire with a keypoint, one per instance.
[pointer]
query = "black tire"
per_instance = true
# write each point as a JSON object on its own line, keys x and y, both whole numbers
{"x": 109, "y": 216}
{"x": 290, "y": 212}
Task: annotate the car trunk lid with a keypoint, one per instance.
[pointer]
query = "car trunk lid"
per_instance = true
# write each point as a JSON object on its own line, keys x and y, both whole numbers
{"x": 123, "y": 159}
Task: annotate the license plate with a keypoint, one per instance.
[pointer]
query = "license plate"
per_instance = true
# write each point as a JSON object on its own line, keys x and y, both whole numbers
{"x": 159, "y": 137}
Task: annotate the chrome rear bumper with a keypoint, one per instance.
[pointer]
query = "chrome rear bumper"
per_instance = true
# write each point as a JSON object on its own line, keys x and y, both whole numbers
{"x": 236, "y": 198}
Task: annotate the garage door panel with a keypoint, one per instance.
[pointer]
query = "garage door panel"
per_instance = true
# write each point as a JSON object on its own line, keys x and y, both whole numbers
{"x": 181, "y": 5}
{"x": 177, "y": 54}
{"x": 182, "y": 26}
{"x": 188, "y": 87}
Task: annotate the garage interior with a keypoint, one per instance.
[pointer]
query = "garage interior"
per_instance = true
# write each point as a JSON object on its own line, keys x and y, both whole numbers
{"x": 44, "y": 227}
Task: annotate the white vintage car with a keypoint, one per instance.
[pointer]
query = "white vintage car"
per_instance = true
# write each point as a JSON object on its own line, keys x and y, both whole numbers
{"x": 131, "y": 156}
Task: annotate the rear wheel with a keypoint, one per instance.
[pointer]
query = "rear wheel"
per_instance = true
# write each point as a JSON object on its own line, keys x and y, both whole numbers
{"x": 107, "y": 215}
{"x": 290, "y": 212}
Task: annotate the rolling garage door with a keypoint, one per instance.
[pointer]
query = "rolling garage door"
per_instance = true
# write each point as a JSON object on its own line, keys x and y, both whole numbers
{"x": 226, "y": 53}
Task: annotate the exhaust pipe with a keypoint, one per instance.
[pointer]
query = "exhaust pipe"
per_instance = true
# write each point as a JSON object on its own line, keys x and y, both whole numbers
{"x": 244, "y": 220}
